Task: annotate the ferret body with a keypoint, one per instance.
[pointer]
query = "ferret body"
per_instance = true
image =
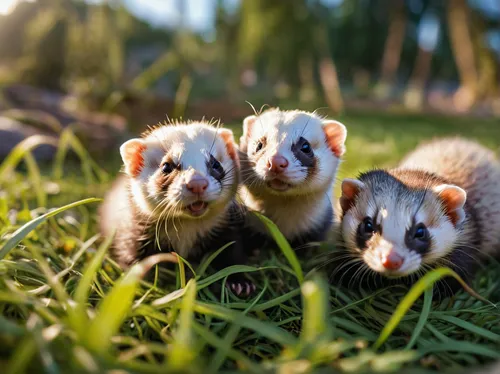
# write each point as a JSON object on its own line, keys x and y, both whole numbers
{"x": 289, "y": 161}
{"x": 439, "y": 207}
{"x": 178, "y": 195}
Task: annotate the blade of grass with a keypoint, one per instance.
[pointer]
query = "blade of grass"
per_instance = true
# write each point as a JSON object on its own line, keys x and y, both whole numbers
{"x": 203, "y": 267}
{"x": 220, "y": 356}
{"x": 268, "y": 304}
{"x": 181, "y": 352}
{"x": 315, "y": 297}
{"x": 471, "y": 327}
{"x": 219, "y": 343}
{"x": 392, "y": 361}
{"x": 24, "y": 230}
{"x": 35, "y": 179}
{"x": 267, "y": 330}
{"x": 458, "y": 346}
{"x": 22, "y": 356}
{"x": 423, "y": 283}
{"x": 283, "y": 244}
{"x": 422, "y": 319}
{"x": 79, "y": 317}
{"x": 20, "y": 150}
{"x": 228, "y": 271}
{"x": 52, "y": 280}
{"x": 117, "y": 303}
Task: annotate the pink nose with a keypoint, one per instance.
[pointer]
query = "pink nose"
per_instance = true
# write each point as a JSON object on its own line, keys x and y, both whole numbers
{"x": 392, "y": 261}
{"x": 277, "y": 164}
{"x": 197, "y": 185}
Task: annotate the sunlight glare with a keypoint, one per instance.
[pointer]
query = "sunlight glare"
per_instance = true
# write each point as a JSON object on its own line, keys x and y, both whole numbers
{"x": 7, "y": 6}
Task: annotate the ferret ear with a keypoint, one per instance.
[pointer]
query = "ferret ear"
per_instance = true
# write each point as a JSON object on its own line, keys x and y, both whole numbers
{"x": 228, "y": 137}
{"x": 248, "y": 124}
{"x": 335, "y": 133}
{"x": 132, "y": 152}
{"x": 453, "y": 198}
{"x": 350, "y": 190}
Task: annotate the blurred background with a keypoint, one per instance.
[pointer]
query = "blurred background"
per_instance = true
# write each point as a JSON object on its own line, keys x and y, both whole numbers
{"x": 111, "y": 67}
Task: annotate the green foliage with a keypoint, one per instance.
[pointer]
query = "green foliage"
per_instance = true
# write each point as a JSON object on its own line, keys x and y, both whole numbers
{"x": 67, "y": 307}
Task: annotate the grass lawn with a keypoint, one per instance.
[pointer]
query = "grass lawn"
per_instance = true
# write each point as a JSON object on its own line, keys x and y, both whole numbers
{"x": 67, "y": 308}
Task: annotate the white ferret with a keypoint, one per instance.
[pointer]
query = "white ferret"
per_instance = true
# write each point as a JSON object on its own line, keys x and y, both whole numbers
{"x": 289, "y": 162}
{"x": 177, "y": 194}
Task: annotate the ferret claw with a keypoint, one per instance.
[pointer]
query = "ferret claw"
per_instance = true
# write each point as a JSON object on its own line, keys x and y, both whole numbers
{"x": 242, "y": 289}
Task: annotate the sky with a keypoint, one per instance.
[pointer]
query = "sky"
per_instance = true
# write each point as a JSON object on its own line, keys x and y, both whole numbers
{"x": 200, "y": 14}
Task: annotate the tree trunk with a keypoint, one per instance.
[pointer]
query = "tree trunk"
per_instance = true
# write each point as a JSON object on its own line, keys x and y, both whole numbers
{"x": 415, "y": 93}
{"x": 306, "y": 72}
{"x": 328, "y": 72}
{"x": 462, "y": 46}
{"x": 488, "y": 74}
{"x": 392, "y": 49}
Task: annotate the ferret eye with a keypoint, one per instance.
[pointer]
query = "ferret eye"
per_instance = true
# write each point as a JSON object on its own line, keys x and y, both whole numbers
{"x": 214, "y": 164}
{"x": 421, "y": 232}
{"x": 365, "y": 231}
{"x": 259, "y": 146}
{"x": 306, "y": 147}
{"x": 167, "y": 168}
{"x": 418, "y": 238}
{"x": 215, "y": 168}
{"x": 368, "y": 226}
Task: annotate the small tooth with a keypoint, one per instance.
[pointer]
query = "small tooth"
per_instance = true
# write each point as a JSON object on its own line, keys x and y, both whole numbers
{"x": 233, "y": 286}
{"x": 239, "y": 289}
{"x": 248, "y": 288}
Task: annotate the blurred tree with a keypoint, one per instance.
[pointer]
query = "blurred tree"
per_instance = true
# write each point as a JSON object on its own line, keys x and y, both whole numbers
{"x": 289, "y": 42}
{"x": 487, "y": 64}
{"x": 428, "y": 34}
{"x": 226, "y": 28}
{"x": 44, "y": 48}
{"x": 463, "y": 49}
{"x": 392, "y": 49}
{"x": 327, "y": 69}
{"x": 12, "y": 27}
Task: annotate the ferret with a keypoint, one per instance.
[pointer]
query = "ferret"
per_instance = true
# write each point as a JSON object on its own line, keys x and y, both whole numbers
{"x": 439, "y": 207}
{"x": 177, "y": 194}
{"x": 289, "y": 161}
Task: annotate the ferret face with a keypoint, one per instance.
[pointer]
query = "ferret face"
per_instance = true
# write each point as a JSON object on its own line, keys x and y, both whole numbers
{"x": 397, "y": 231}
{"x": 182, "y": 170}
{"x": 290, "y": 152}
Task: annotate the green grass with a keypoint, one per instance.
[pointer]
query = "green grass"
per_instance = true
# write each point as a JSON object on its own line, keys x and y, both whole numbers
{"x": 67, "y": 308}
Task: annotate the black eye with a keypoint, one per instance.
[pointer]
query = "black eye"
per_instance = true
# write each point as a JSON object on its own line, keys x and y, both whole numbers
{"x": 418, "y": 239}
{"x": 421, "y": 232}
{"x": 365, "y": 231}
{"x": 215, "y": 168}
{"x": 306, "y": 147}
{"x": 259, "y": 146}
{"x": 215, "y": 164}
{"x": 167, "y": 168}
{"x": 368, "y": 225}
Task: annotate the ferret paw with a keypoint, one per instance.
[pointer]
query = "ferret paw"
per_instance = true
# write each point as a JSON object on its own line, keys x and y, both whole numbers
{"x": 239, "y": 288}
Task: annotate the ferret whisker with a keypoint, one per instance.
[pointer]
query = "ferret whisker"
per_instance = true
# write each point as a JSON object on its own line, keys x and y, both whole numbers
{"x": 351, "y": 264}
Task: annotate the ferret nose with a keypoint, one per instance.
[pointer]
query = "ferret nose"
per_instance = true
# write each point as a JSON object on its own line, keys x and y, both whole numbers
{"x": 277, "y": 164}
{"x": 197, "y": 185}
{"x": 392, "y": 261}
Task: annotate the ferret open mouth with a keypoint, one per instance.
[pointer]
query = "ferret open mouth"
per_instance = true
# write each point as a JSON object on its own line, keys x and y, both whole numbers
{"x": 197, "y": 208}
{"x": 278, "y": 185}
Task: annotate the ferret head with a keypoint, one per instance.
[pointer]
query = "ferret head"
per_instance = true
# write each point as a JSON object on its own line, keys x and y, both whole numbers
{"x": 290, "y": 152}
{"x": 397, "y": 229}
{"x": 182, "y": 170}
